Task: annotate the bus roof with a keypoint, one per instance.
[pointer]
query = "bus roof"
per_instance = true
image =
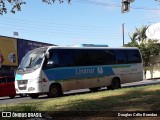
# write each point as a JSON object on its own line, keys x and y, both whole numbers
{"x": 89, "y": 45}
{"x": 73, "y": 47}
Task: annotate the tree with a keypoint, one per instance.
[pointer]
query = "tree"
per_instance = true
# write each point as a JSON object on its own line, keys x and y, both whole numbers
{"x": 133, "y": 38}
{"x": 16, "y": 4}
{"x": 148, "y": 47}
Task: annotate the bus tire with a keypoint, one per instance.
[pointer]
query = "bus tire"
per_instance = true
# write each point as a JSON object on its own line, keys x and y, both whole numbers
{"x": 54, "y": 91}
{"x": 12, "y": 96}
{"x": 115, "y": 84}
{"x": 34, "y": 95}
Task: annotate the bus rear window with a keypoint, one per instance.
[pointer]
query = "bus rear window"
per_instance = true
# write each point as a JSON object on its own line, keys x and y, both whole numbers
{"x": 133, "y": 56}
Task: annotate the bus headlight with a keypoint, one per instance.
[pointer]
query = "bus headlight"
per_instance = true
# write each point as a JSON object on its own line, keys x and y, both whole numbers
{"x": 36, "y": 80}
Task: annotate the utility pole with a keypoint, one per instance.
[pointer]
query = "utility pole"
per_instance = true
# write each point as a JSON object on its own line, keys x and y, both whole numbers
{"x": 123, "y": 33}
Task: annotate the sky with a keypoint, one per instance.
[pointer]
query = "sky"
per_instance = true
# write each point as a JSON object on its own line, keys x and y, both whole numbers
{"x": 80, "y": 22}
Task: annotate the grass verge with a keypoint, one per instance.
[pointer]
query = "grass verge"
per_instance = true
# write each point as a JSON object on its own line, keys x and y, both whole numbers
{"x": 145, "y": 98}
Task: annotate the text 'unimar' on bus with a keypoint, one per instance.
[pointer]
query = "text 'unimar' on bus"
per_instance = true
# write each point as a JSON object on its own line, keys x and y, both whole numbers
{"x": 54, "y": 70}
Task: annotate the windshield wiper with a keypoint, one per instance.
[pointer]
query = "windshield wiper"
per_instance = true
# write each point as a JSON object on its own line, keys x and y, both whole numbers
{"x": 21, "y": 69}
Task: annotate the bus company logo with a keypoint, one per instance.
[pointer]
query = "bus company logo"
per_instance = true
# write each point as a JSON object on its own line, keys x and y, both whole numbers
{"x": 100, "y": 70}
{"x": 81, "y": 71}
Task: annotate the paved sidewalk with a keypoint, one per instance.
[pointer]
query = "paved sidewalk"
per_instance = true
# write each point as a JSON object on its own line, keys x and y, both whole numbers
{"x": 142, "y": 83}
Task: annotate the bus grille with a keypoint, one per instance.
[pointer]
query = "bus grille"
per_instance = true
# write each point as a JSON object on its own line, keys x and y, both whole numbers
{"x": 22, "y": 84}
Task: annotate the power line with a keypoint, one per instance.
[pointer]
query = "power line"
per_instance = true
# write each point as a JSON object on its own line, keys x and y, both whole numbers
{"x": 49, "y": 28}
{"x": 114, "y": 5}
{"x": 20, "y": 24}
{"x": 98, "y": 3}
{"x": 57, "y": 32}
{"x": 51, "y": 24}
{"x": 56, "y": 26}
{"x": 62, "y": 27}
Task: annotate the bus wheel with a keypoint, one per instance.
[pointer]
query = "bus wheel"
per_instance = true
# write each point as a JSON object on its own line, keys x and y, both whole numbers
{"x": 12, "y": 96}
{"x": 115, "y": 84}
{"x": 94, "y": 89}
{"x": 54, "y": 91}
{"x": 34, "y": 96}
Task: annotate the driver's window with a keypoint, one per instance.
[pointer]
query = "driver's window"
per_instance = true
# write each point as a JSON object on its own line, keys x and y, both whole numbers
{"x": 52, "y": 61}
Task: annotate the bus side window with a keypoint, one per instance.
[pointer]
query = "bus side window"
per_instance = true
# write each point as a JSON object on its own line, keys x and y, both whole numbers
{"x": 109, "y": 57}
{"x": 120, "y": 56}
{"x": 80, "y": 58}
{"x": 133, "y": 56}
{"x": 100, "y": 57}
{"x": 65, "y": 58}
{"x": 53, "y": 61}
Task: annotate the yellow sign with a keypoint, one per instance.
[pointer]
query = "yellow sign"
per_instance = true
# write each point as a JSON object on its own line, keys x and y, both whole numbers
{"x": 8, "y": 51}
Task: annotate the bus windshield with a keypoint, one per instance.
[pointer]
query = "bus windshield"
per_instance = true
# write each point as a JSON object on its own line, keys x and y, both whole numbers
{"x": 32, "y": 60}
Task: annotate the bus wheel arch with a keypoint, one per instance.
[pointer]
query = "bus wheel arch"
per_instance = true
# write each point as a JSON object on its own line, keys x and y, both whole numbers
{"x": 55, "y": 90}
{"x": 115, "y": 83}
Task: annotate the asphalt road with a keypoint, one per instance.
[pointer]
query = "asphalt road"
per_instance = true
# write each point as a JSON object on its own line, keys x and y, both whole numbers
{"x": 18, "y": 99}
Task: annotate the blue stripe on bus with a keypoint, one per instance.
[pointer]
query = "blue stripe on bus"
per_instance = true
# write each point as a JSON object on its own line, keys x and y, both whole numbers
{"x": 78, "y": 72}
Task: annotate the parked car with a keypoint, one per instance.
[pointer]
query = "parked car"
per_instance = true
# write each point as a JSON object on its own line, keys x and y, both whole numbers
{"x": 7, "y": 87}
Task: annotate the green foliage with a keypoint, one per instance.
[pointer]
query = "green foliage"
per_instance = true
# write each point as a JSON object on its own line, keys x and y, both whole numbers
{"x": 144, "y": 98}
{"x": 157, "y": 0}
{"x": 52, "y": 1}
{"x": 16, "y": 5}
{"x": 148, "y": 47}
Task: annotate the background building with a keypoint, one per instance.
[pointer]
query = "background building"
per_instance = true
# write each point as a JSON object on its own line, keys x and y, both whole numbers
{"x": 12, "y": 50}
